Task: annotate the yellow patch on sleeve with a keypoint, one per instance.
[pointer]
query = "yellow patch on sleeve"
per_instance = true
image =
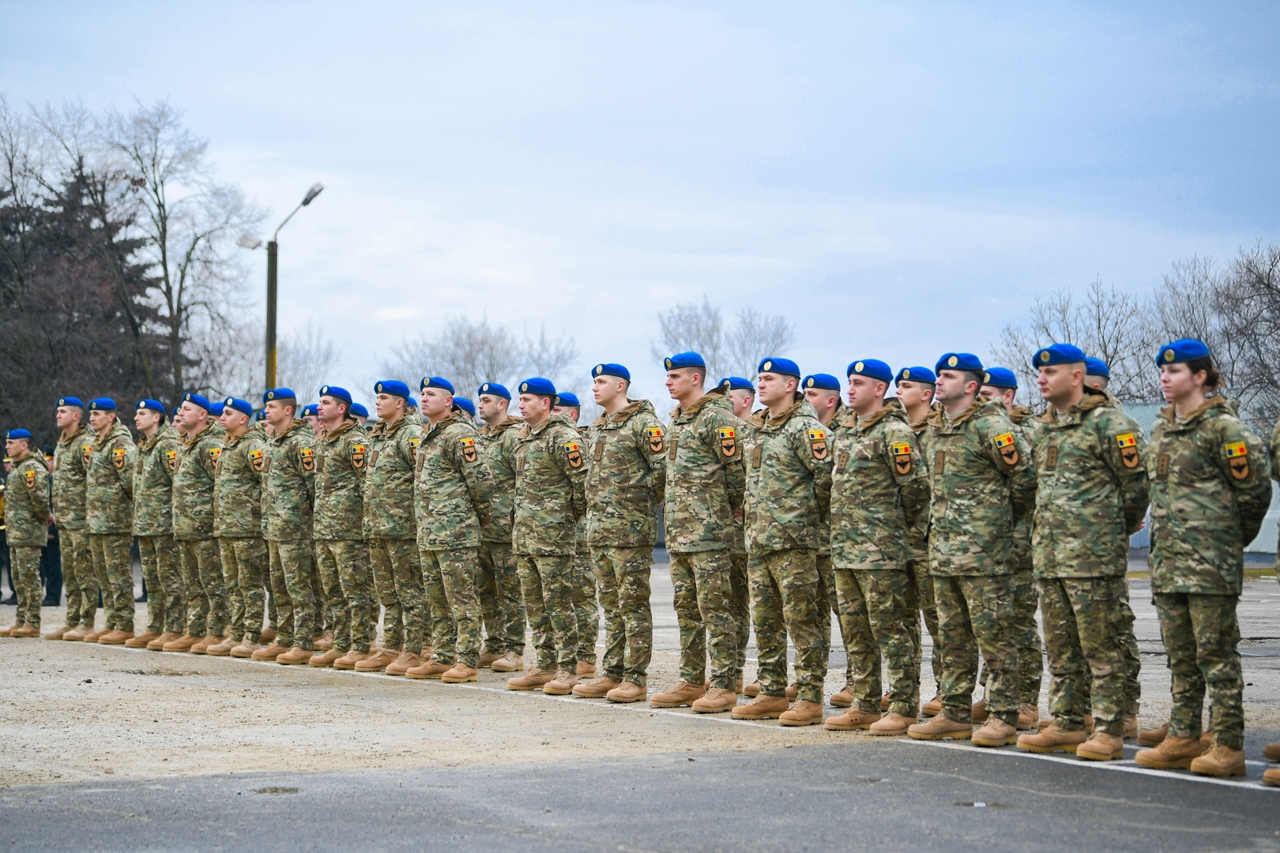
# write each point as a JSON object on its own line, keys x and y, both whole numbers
{"x": 1238, "y": 448}
{"x": 903, "y": 449}
{"x": 1003, "y": 441}
{"x": 1126, "y": 439}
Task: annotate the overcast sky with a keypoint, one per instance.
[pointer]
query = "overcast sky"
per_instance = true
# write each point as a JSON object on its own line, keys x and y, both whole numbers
{"x": 899, "y": 180}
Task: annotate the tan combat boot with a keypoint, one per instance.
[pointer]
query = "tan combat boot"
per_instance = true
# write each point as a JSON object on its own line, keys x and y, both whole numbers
{"x": 762, "y": 708}
{"x": 1028, "y": 716}
{"x": 752, "y": 690}
{"x": 891, "y": 725}
{"x": 157, "y": 645}
{"x": 1219, "y": 761}
{"x": 995, "y": 732}
{"x": 431, "y": 668}
{"x": 270, "y": 652}
{"x": 350, "y": 659}
{"x": 979, "y": 712}
{"x": 94, "y": 636}
{"x": 296, "y": 656}
{"x": 1053, "y": 739}
{"x": 595, "y": 689}
{"x": 627, "y": 691}
{"x": 715, "y": 701}
{"x": 56, "y": 633}
{"x": 29, "y": 632}
{"x": 377, "y": 663}
{"x": 222, "y": 649}
{"x": 111, "y": 638}
{"x": 1101, "y": 747}
{"x": 140, "y": 641}
{"x": 325, "y": 659}
{"x": 76, "y": 635}
{"x": 460, "y": 673}
{"x": 851, "y": 720}
{"x": 585, "y": 669}
{"x": 940, "y": 727}
{"x": 1271, "y": 777}
{"x": 323, "y": 643}
{"x": 561, "y": 685}
{"x": 932, "y": 708}
{"x": 1170, "y": 753}
{"x": 267, "y": 636}
{"x": 245, "y": 649}
{"x": 1130, "y": 726}
{"x": 844, "y": 698}
{"x": 682, "y": 694}
{"x": 402, "y": 664}
{"x": 182, "y": 644}
{"x": 202, "y": 646}
{"x": 1153, "y": 737}
{"x": 884, "y": 703}
{"x": 801, "y": 713}
{"x": 1271, "y": 752}
{"x": 510, "y": 662}
{"x": 531, "y": 680}
{"x": 488, "y": 658}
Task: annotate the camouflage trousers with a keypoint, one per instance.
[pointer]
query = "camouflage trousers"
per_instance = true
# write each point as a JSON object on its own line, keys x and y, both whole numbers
{"x": 785, "y": 600}
{"x": 705, "y": 614}
{"x": 166, "y": 612}
{"x": 299, "y": 606}
{"x": 449, "y": 581}
{"x": 1086, "y": 659}
{"x": 272, "y": 616}
{"x": 739, "y": 608}
{"x": 622, "y": 577}
{"x": 1132, "y": 658}
{"x": 78, "y": 578}
{"x": 112, "y": 564}
{"x": 586, "y": 609}
{"x": 244, "y": 569}
{"x": 827, "y": 591}
{"x": 1201, "y": 637}
{"x": 498, "y": 586}
{"x": 976, "y": 614}
{"x": 202, "y": 586}
{"x": 348, "y": 592}
{"x": 1026, "y": 635}
{"x": 547, "y": 585}
{"x": 397, "y": 560}
{"x": 920, "y": 603}
{"x": 24, "y": 574}
{"x": 875, "y": 618}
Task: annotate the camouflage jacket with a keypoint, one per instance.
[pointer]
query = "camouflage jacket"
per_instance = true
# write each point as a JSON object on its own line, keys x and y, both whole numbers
{"x": 290, "y": 483}
{"x": 919, "y": 535}
{"x": 388, "y": 484}
{"x": 70, "y": 465}
{"x": 1091, "y": 490}
{"x": 1210, "y": 489}
{"x": 193, "y": 485}
{"x": 788, "y": 479}
{"x": 706, "y": 480}
{"x": 26, "y": 505}
{"x": 157, "y": 458}
{"x": 549, "y": 495}
{"x": 454, "y": 485}
{"x": 239, "y": 485}
{"x": 497, "y": 446}
{"x": 840, "y": 412}
{"x": 109, "y": 483}
{"x": 626, "y": 477}
{"x": 1024, "y": 419}
{"x": 981, "y": 484}
{"x": 342, "y": 456}
{"x": 878, "y": 490}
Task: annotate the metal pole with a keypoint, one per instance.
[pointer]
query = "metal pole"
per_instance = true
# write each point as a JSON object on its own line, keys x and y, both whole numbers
{"x": 271, "y": 314}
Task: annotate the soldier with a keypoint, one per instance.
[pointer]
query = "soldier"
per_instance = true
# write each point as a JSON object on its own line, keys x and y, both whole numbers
{"x": 456, "y": 493}
{"x": 360, "y": 413}
{"x": 311, "y": 414}
{"x": 70, "y": 464}
{"x": 468, "y": 408}
{"x": 585, "y": 608}
{"x": 26, "y": 523}
{"x": 625, "y": 483}
{"x": 157, "y": 455}
{"x": 1210, "y": 490}
{"x": 390, "y": 528}
{"x": 499, "y": 583}
{"x": 1097, "y": 374}
{"x": 981, "y": 485}
{"x": 549, "y": 500}
{"x": 741, "y": 394}
{"x": 109, "y": 519}
{"x": 287, "y": 494}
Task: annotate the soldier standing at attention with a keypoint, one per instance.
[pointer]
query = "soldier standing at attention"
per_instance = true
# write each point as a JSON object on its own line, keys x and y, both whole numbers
{"x": 1210, "y": 490}
{"x": 26, "y": 522}
{"x": 549, "y": 500}
{"x": 157, "y": 455}
{"x": 625, "y": 483}
{"x": 499, "y": 583}
{"x": 1097, "y": 374}
{"x": 109, "y": 519}
{"x": 788, "y": 492}
{"x": 390, "y": 528}
{"x": 585, "y": 608}
{"x": 981, "y": 485}
{"x": 456, "y": 491}
{"x": 70, "y": 464}
{"x": 742, "y": 396}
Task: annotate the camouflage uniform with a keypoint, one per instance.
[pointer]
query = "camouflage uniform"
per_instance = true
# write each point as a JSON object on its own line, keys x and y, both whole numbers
{"x": 788, "y": 491}
{"x": 193, "y": 516}
{"x": 26, "y": 521}
{"x": 826, "y": 568}
{"x": 456, "y": 491}
{"x": 342, "y": 455}
{"x": 920, "y": 587}
{"x": 981, "y": 484}
{"x": 286, "y": 525}
{"x": 70, "y": 464}
{"x": 157, "y": 457}
{"x": 390, "y": 530}
{"x": 238, "y": 526}
{"x": 1091, "y": 496}
{"x": 703, "y": 501}
{"x": 878, "y": 490}
{"x": 498, "y": 582}
{"x": 109, "y": 520}
{"x": 586, "y": 608}
{"x": 624, "y": 487}
{"x": 1209, "y": 493}
{"x": 1026, "y": 633}
{"x": 549, "y": 500}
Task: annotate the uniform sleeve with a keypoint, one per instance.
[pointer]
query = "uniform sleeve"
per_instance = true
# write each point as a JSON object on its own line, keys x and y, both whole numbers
{"x": 206, "y": 459}
{"x": 561, "y": 452}
{"x": 902, "y": 455}
{"x": 39, "y": 493}
{"x": 1008, "y": 449}
{"x": 126, "y": 474}
{"x": 1244, "y": 463}
{"x": 1124, "y": 448}
{"x": 305, "y": 442}
{"x": 813, "y": 447}
{"x": 655, "y": 459}
{"x": 475, "y": 473}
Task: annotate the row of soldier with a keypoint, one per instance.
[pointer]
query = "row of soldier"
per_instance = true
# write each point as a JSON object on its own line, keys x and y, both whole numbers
{"x": 945, "y": 501}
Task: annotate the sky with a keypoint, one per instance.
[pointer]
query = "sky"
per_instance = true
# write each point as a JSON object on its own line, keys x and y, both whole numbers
{"x": 899, "y": 180}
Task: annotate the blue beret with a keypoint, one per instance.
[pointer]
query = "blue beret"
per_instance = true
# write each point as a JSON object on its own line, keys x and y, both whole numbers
{"x": 611, "y": 370}
{"x": 465, "y": 404}
{"x": 959, "y": 361}
{"x": 336, "y": 393}
{"x": 20, "y": 433}
{"x": 435, "y": 382}
{"x": 244, "y": 407}
{"x": 1057, "y": 354}
{"x": 70, "y": 401}
{"x": 780, "y": 366}
{"x": 567, "y": 399}
{"x": 359, "y": 410}
{"x": 1000, "y": 377}
{"x": 412, "y": 404}
{"x": 872, "y": 367}
{"x": 102, "y": 404}
{"x": 493, "y": 389}
{"x": 196, "y": 400}
{"x": 177, "y": 409}
{"x": 824, "y": 381}
{"x": 310, "y": 410}
{"x": 685, "y": 359}
{"x": 278, "y": 394}
{"x": 215, "y": 408}
{"x": 737, "y": 383}
{"x": 916, "y": 374}
{"x": 538, "y": 385}
{"x": 152, "y": 406}
{"x": 1186, "y": 349}
{"x": 1096, "y": 367}
{"x": 394, "y": 387}
{"x": 260, "y": 415}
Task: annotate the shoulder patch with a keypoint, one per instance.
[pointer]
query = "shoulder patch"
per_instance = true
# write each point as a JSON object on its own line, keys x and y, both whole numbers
{"x": 901, "y": 457}
{"x": 413, "y": 449}
{"x": 214, "y": 453}
{"x": 171, "y": 458}
{"x": 1237, "y": 459}
{"x": 1008, "y": 448}
{"x": 117, "y": 457}
{"x": 468, "y": 445}
{"x": 573, "y": 452}
{"x": 728, "y": 441}
{"x": 818, "y": 443}
{"x": 29, "y": 478}
{"x": 257, "y": 459}
{"x": 654, "y": 434}
{"x": 86, "y": 450}
{"x": 308, "y": 458}
{"x": 1128, "y": 445}
{"x": 358, "y": 453}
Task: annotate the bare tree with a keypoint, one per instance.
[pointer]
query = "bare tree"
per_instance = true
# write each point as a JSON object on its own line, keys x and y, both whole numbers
{"x": 756, "y": 336}
{"x": 727, "y": 351}
{"x": 1248, "y": 303}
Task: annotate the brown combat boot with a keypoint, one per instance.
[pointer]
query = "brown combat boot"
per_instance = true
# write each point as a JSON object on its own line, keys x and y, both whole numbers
{"x": 117, "y": 637}
{"x": 1170, "y": 753}
{"x": 1271, "y": 777}
{"x": 1028, "y": 716}
{"x": 715, "y": 701}
{"x": 487, "y": 659}
{"x": 431, "y": 668}
{"x": 1219, "y": 761}
{"x": 595, "y": 689}
{"x": 585, "y": 669}
{"x": 461, "y": 673}
{"x": 94, "y": 636}
{"x": 296, "y": 656}
{"x": 202, "y": 646}
{"x": 138, "y": 642}
{"x": 270, "y": 652}
{"x": 844, "y": 698}
{"x": 562, "y": 684}
{"x": 762, "y": 708}
{"x": 350, "y": 659}
{"x": 323, "y": 643}
{"x": 627, "y": 691}
{"x": 510, "y": 662}
{"x": 267, "y": 636}
{"x": 222, "y": 649}
{"x": 531, "y": 680}
{"x": 801, "y": 713}
{"x": 377, "y": 663}
{"x": 157, "y": 645}
{"x": 182, "y": 644}
{"x": 1052, "y": 739}
{"x": 851, "y": 720}
{"x": 1101, "y": 747}
{"x": 325, "y": 659}
{"x": 995, "y": 732}
{"x": 245, "y": 649}
{"x": 979, "y": 712}
{"x": 402, "y": 664}
{"x": 1130, "y": 726}
{"x": 679, "y": 696}
{"x": 752, "y": 690}
{"x": 1153, "y": 737}
{"x": 1271, "y": 752}
{"x": 940, "y": 727}
{"x": 56, "y": 633}
{"x": 28, "y": 632}
{"x": 932, "y": 708}
{"x": 884, "y": 703}
{"x": 76, "y": 635}
{"x": 891, "y": 725}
